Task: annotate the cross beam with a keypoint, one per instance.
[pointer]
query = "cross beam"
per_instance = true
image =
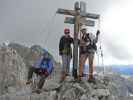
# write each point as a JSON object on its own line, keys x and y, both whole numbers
{"x": 78, "y": 14}
{"x": 73, "y": 13}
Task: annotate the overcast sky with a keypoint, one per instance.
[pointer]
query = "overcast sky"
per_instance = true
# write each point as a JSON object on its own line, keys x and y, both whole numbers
{"x": 35, "y": 22}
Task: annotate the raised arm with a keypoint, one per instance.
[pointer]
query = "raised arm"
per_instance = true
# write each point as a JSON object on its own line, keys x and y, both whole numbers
{"x": 97, "y": 36}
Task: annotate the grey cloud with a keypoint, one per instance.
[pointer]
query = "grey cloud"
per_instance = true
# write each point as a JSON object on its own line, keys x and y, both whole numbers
{"x": 117, "y": 50}
{"x": 30, "y": 21}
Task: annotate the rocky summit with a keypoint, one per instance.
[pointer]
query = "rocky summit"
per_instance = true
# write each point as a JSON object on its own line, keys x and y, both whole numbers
{"x": 13, "y": 73}
{"x": 103, "y": 89}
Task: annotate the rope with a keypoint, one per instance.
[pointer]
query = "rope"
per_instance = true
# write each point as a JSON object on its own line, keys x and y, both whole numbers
{"x": 50, "y": 27}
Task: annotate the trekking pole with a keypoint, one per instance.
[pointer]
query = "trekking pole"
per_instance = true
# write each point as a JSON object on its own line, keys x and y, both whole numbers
{"x": 104, "y": 69}
{"x": 101, "y": 51}
{"x": 98, "y": 58}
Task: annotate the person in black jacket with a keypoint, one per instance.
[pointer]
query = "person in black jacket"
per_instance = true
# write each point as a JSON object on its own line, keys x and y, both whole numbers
{"x": 65, "y": 51}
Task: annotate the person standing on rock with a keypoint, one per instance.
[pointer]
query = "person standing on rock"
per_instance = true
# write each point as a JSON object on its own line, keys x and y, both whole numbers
{"x": 65, "y": 51}
{"x": 43, "y": 67}
{"x": 87, "y": 50}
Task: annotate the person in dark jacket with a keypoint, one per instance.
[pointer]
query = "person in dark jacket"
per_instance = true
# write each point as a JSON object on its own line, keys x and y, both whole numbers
{"x": 65, "y": 51}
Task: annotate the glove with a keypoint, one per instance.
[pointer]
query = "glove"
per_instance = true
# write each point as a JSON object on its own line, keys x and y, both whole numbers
{"x": 60, "y": 53}
{"x": 98, "y": 32}
{"x": 46, "y": 73}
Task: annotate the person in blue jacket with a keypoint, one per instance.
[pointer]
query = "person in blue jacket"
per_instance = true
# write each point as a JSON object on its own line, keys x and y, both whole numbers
{"x": 43, "y": 67}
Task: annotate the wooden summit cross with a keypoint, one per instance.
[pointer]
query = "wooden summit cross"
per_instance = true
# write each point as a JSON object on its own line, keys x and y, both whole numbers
{"x": 78, "y": 18}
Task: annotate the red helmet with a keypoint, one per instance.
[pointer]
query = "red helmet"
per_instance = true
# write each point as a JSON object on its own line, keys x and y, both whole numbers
{"x": 66, "y": 30}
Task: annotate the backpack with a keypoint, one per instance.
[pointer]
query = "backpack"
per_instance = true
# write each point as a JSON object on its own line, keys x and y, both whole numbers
{"x": 92, "y": 45}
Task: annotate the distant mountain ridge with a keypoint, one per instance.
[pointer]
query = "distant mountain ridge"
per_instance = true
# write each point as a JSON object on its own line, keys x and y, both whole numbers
{"x": 28, "y": 53}
{"x": 123, "y": 69}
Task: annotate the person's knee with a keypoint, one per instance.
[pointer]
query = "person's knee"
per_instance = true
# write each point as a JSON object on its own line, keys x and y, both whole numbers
{"x": 43, "y": 78}
{"x": 82, "y": 62}
{"x": 30, "y": 68}
{"x": 91, "y": 59}
{"x": 91, "y": 63}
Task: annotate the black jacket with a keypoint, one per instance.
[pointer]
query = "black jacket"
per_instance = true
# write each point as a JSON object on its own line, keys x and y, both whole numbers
{"x": 65, "y": 45}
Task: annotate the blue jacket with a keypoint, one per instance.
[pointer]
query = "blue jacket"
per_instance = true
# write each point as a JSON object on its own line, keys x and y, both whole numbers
{"x": 43, "y": 63}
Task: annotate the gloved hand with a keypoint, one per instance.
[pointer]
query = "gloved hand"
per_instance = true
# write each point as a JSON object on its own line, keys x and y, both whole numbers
{"x": 60, "y": 53}
{"x": 98, "y": 32}
{"x": 46, "y": 73}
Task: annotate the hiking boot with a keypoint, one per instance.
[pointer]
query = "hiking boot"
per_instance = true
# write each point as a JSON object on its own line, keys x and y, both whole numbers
{"x": 38, "y": 91}
{"x": 61, "y": 81}
{"x": 28, "y": 82}
{"x": 92, "y": 81}
{"x": 79, "y": 78}
{"x": 63, "y": 77}
{"x": 78, "y": 81}
{"x": 68, "y": 74}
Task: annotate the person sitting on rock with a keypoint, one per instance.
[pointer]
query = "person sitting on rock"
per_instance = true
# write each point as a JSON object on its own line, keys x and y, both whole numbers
{"x": 43, "y": 67}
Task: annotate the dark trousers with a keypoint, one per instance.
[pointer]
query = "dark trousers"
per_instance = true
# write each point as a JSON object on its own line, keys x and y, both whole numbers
{"x": 36, "y": 70}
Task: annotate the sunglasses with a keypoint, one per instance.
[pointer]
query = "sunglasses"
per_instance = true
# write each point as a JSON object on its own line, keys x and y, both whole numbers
{"x": 66, "y": 32}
